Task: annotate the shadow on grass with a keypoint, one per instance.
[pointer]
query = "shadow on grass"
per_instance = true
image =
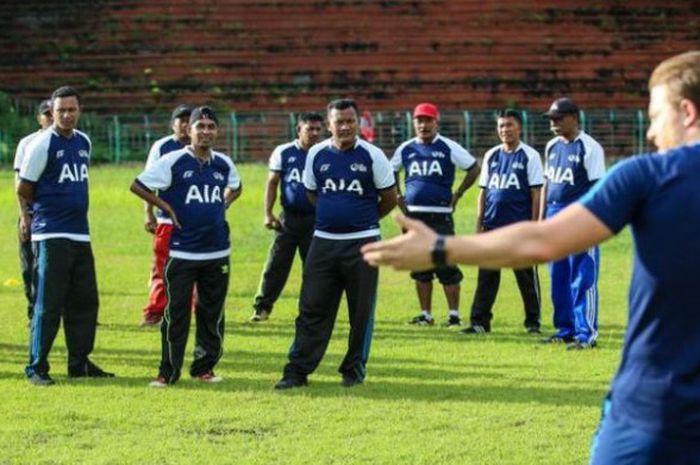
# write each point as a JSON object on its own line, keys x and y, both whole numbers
{"x": 375, "y": 389}
{"x": 390, "y": 379}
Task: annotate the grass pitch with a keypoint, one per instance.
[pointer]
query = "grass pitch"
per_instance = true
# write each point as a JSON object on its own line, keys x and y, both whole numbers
{"x": 432, "y": 396}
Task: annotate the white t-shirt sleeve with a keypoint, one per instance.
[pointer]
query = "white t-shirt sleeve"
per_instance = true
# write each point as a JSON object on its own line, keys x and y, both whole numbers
{"x": 234, "y": 179}
{"x": 396, "y": 160}
{"x": 535, "y": 173}
{"x": 484, "y": 175}
{"x": 275, "y": 162}
{"x": 89, "y": 141}
{"x": 594, "y": 159}
{"x": 547, "y": 149}
{"x": 153, "y": 154}
{"x": 36, "y": 155}
{"x": 159, "y": 175}
{"x": 382, "y": 171}
{"x": 309, "y": 177}
{"x": 461, "y": 158}
{"x": 19, "y": 153}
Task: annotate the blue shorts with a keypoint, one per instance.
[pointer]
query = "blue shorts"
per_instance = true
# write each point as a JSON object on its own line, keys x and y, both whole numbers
{"x": 617, "y": 443}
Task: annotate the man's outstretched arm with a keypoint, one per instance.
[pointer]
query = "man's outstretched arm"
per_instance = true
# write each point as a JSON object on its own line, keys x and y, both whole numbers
{"x": 516, "y": 246}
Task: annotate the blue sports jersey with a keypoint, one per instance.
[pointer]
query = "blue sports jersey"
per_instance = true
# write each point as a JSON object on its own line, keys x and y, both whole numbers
{"x": 571, "y": 168}
{"x": 195, "y": 191}
{"x": 58, "y": 167}
{"x": 507, "y": 178}
{"x": 430, "y": 172}
{"x": 162, "y": 146}
{"x": 346, "y": 184}
{"x": 657, "y": 386}
{"x": 289, "y": 161}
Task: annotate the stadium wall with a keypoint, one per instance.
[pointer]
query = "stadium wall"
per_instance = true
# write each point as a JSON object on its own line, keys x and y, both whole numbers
{"x": 130, "y": 56}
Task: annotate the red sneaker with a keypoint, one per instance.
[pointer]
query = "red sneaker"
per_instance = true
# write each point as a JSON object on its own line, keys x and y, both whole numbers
{"x": 209, "y": 377}
{"x": 151, "y": 319}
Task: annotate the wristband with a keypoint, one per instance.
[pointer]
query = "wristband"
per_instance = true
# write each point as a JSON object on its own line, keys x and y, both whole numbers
{"x": 438, "y": 252}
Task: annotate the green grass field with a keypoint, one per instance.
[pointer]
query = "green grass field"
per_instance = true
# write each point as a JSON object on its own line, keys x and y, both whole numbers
{"x": 432, "y": 396}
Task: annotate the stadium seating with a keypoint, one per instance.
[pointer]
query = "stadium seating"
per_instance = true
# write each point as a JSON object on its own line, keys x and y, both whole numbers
{"x": 144, "y": 56}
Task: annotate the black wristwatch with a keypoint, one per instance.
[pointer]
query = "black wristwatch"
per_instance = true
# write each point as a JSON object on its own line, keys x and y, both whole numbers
{"x": 438, "y": 253}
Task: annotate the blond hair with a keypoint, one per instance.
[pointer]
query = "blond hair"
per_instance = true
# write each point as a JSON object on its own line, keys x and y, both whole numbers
{"x": 681, "y": 75}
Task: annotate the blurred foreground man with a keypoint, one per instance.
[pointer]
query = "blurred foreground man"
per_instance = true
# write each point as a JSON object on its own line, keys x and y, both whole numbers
{"x": 652, "y": 413}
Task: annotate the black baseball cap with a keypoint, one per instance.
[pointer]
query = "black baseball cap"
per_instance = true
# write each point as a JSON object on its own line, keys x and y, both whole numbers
{"x": 181, "y": 110}
{"x": 44, "y": 107}
{"x": 561, "y": 107}
{"x": 203, "y": 113}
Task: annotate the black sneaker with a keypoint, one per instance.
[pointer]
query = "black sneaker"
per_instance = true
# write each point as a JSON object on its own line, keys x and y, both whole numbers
{"x": 476, "y": 329}
{"x": 290, "y": 383}
{"x": 534, "y": 330}
{"x": 454, "y": 321}
{"x": 350, "y": 381}
{"x": 580, "y": 345}
{"x": 422, "y": 320}
{"x": 41, "y": 379}
{"x": 260, "y": 315}
{"x": 556, "y": 339}
{"x": 88, "y": 370}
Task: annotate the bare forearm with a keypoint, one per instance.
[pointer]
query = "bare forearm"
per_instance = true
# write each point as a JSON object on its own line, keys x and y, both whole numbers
{"x": 515, "y": 246}
{"x": 543, "y": 202}
{"x": 527, "y": 243}
{"x": 231, "y": 195}
{"x": 480, "y": 204}
{"x": 387, "y": 201}
{"x": 25, "y": 191}
{"x": 270, "y": 195}
{"x": 23, "y": 206}
{"x": 312, "y": 197}
{"x": 149, "y": 196}
{"x": 468, "y": 180}
{"x": 536, "y": 201}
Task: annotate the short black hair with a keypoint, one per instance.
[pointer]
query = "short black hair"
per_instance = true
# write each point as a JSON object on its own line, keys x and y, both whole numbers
{"x": 511, "y": 113}
{"x": 309, "y": 116}
{"x": 64, "y": 91}
{"x": 204, "y": 112}
{"x": 343, "y": 104}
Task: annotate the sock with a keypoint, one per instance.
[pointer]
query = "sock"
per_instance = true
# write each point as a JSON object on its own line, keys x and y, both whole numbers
{"x": 454, "y": 313}
{"x": 427, "y": 314}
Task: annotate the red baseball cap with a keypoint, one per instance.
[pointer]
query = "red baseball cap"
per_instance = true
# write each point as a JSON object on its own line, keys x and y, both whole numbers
{"x": 426, "y": 109}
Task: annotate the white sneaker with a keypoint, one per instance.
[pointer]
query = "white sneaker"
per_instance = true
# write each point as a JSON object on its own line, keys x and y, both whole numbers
{"x": 159, "y": 382}
{"x": 259, "y": 316}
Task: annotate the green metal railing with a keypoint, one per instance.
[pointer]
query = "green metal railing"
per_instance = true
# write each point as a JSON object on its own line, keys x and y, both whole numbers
{"x": 251, "y": 136}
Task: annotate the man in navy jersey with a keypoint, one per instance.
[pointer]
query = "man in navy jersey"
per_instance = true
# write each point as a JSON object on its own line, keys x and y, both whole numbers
{"x": 352, "y": 186}
{"x": 26, "y": 256}
{"x": 511, "y": 183}
{"x": 158, "y": 223}
{"x": 295, "y": 226}
{"x": 574, "y": 161}
{"x": 54, "y": 178}
{"x": 652, "y": 413}
{"x": 196, "y": 185}
{"x": 430, "y": 160}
